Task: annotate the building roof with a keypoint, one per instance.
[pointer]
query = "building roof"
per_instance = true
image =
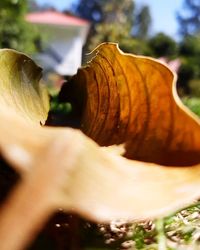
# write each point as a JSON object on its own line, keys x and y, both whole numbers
{"x": 55, "y": 18}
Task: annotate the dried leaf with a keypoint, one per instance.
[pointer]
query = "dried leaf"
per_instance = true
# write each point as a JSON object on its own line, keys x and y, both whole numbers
{"x": 132, "y": 99}
{"x": 20, "y": 88}
{"x": 77, "y": 175}
{"x": 127, "y": 99}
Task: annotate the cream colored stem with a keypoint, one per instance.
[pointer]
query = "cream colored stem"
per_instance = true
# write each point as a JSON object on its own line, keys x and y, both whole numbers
{"x": 36, "y": 196}
{"x": 22, "y": 216}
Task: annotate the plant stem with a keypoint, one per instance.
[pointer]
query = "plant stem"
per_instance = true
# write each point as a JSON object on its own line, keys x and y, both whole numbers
{"x": 22, "y": 216}
{"x": 161, "y": 238}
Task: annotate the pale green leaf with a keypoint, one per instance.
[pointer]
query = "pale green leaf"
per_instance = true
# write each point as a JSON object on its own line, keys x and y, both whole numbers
{"x": 20, "y": 89}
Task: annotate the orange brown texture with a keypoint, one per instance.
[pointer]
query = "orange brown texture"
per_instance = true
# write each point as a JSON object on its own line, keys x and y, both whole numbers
{"x": 132, "y": 99}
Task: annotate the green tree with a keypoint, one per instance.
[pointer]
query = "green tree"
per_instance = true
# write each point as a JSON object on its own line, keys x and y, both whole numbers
{"x": 102, "y": 11}
{"x": 116, "y": 22}
{"x": 143, "y": 23}
{"x": 91, "y": 10}
{"x": 111, "y": 21}
{"x": 15, "y": 32}
{"x": 33, "y": 6}
{"x": 163, "y": 45}
{"x": 189, "y": 27}
{"x": 189, "y": 18}
{"x": 189, "y": 51}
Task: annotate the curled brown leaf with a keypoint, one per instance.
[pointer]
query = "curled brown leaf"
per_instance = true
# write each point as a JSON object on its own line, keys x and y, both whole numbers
{"x": 133, "y": 100}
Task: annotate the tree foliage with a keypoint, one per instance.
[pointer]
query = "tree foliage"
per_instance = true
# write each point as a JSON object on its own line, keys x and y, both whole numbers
{"x": 90, "y": 10}
{"x": 143, "y": 22}
{"x": 189, "y": 51}
{"x": 33, "y": 6}
{"x": 15, "y": 32}
{"x": 162, "y": 45}
{"x": 189, "y": 18}
{"x": 115, "y": 21}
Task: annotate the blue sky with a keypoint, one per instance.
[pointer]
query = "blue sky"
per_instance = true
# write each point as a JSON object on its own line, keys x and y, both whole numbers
{"x": 163, "y": 12}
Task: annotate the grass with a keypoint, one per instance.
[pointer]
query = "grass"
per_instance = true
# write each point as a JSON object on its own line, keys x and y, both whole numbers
{"x": 178, "y": 231}
{"x": 193, "y": 103}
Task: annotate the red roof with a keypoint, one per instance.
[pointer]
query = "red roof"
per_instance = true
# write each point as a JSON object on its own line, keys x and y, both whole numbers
{"x": 56, "y": 18}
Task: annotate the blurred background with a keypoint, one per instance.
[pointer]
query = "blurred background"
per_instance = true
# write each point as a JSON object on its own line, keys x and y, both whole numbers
{"x": 58, "y": 34}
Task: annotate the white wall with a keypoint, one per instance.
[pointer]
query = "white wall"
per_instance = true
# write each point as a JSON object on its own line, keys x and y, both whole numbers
{"x": 65, "y": 47}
